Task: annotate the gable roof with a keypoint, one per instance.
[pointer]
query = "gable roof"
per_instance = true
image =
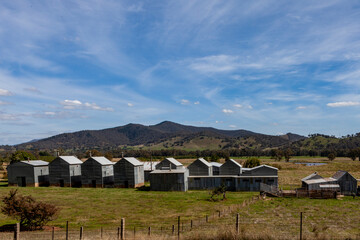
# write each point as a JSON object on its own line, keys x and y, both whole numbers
{"x": 36, "y": 163}
{"x": 203, "y": 161}
{"x": 320, "y": 180}
{"x": 174, "y": 161}
{"x": 102, "y": 160}
{"x": 71, "y": 159}
{"x": 133, "y": 161}
{"x": 314, "y": 175}
{"x": 263, "y": 165}
{"x": 339, "y": 174}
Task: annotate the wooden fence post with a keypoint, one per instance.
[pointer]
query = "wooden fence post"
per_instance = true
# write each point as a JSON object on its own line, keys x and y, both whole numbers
{"x": 122, "y": 228}
{"x": 67, "y": 230}
{"x": 173, "y": 229}
{"x": 207, "y": 218}
{"x": 301, "y": 225}
{"x": 81, "y": 232}
{"x": 134, "y": 232}
{"x": 17, "y": 231}
{"x": 191, "y": 224}
{"x": 101, "y": 232}
{"x": 149, "y": 231}
{"x": 219, "y": 213}
{"x": 237, "y": 223}
{"x": 53, "y": 233}
{"x": 178, "y": 227}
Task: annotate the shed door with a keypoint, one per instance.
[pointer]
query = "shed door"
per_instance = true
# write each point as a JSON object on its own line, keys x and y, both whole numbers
{"x": 21, "y": 181}
{"x": 62, "y": 183}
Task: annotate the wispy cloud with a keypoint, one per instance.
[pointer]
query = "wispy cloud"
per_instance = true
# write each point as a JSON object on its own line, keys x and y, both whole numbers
{"x": 343, "y": 104}
{"x": 76, "y": 104}
{"x": 227, "y": 111}
{"x": 4, "y": 92}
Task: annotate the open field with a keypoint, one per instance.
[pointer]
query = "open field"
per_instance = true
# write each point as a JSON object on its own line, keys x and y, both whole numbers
{"x": 277, "y": 218}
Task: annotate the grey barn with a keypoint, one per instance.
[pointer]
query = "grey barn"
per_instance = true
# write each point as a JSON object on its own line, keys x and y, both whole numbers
{"x": 97, "y": 172}
{"x": 347, "y": 183}
{"x": 65, "y": 171}
{"x": 200, "y": 167}
{"x": 169, "y": 163}
{"x": 169, "y": 180}
{"x": 33, "y": 173}
{"x": 148, "y": 168}
{"x": 231, "y": 167}
{"x": 129, "y": 173}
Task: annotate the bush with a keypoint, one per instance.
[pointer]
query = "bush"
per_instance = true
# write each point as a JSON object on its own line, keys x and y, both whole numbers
{"x": 31, "y": 214}
{"x": 252, "y": 162}
{"x": 218, "y": 191}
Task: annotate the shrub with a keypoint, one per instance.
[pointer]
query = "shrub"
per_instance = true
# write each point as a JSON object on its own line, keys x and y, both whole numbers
{"x": 252, "y": 162}
{"x": 30, "y": 213}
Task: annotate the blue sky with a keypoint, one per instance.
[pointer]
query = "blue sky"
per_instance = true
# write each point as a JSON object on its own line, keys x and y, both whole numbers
{"x": 266, "y": 66}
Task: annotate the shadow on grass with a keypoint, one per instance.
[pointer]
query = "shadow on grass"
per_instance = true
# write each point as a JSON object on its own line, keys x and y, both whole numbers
{"x": 143, "y": 188}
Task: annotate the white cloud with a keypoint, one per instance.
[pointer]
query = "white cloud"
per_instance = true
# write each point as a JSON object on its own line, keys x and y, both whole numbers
{"x": 184, "y": 102}
{"x": 238, "y": 105}
{"x": 197, "y": 102}
{"x": 227, "y": 111}
{"x": 8, "y": 117}
{"x": 76, "y": 104}
{"x": 250, "y": 107}
{"x": 343, "y": 104}
{"x": 217, "y": 122}
{"x": 301, "y": 107}
{"x": 4, "y": 92}
{"x": 33, "y": 90}
{"x": 232, "y": 126}
{"x": 130, "y": 105}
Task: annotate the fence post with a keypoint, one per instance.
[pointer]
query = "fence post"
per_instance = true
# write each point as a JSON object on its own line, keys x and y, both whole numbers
{"x": 134, "y": 232}
{"x": 67, "y": 230}
{"x": 118, "y": 233}
{"x": 178, "y": 227}
{"x": 53, "y": 233}
{"x": 17, "y": 231}
{"x": 81, "y": 232}
{"x": 237, "y": 223}
{"x": 301, "y": 225}
{"x": 149, "y": 231}
{"x": 219, "y": 213}
{"x": 207, "y": 218}
{"x": 191, "y": 225}
{"x": 101, "y": 232}
{"x": 173, "y": 229}
{"x": 122, "y": 228}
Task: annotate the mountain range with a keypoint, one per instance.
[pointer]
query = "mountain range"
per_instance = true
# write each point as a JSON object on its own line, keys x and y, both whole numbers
{"x": 163, "y": 135}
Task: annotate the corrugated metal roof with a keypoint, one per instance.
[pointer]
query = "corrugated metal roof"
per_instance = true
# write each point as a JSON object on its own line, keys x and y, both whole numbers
{"x": 133, "y": 161}
{"x": 169, "y": 171}
{"x": 339, "y": 174}
{"x": 204, "y": 162}
{"x": 102, "y": 160}
{"x": 174, "y": 161}
{"x": 36, "y": 163}
{"x": 263, "y": 166}
{"x": 71, "y": 159}
{"x": 311, "y": 176}
{"x": 215, "y": 164}
{"x": 147, "y": 166}
{"x": 321, "y": 180}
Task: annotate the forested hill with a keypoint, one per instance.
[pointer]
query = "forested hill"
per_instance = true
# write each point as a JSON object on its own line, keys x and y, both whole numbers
{"x": 163, "y": 135}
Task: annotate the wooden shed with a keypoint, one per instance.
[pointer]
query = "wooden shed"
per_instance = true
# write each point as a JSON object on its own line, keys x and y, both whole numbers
{"x": 129, "y": 173}
{"x": 169, "y": 180}
{"x": 200, "y": 167}
{"x": 231, "y": 167}
{"x": 65, "y": 171}
{"x": 169, "y": 163}
{"x": 33, "y": 173}
{"x": 314, "y": 175}
{"x": 97, "y": 172}
{"x": 347, "y": 183}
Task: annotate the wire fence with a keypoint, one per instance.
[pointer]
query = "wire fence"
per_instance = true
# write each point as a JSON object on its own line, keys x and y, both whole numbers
{"x": 224, "y": 223}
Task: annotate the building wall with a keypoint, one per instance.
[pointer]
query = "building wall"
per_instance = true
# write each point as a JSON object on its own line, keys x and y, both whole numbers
{"x": 197, "y": 168}
{"x": 127, "y": 175}
{"x": 60, "y": 171}
{"x": 232, "y": 183}
{"x": 20, "y": 170}
{"x": 215, "y": 170}
{"x": 230, "y": 168}
{"x": 169, "y": 181}
{"x": 261, "y": 171}
{"x": 348, "y": 184}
